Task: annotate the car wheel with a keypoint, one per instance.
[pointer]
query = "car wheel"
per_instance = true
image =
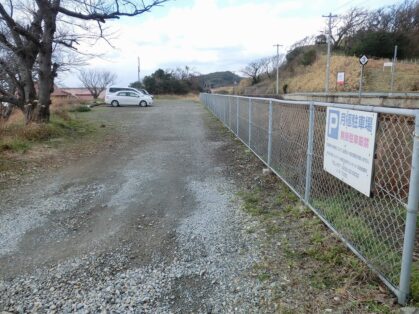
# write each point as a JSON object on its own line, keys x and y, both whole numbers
{"x": 143, "y": 103}
{"x": 114, "y": 103}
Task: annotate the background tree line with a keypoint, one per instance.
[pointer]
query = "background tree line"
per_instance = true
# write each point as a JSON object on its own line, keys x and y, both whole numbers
{"x": 375, "y": 33}
{"x": 179, "y": 81}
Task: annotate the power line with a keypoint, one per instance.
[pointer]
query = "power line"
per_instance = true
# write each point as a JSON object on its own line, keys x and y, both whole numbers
{"x": 344, "y": 5}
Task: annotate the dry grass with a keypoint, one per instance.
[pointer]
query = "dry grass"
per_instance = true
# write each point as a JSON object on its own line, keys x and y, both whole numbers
{"x": 311, "y": 78}
{"x": 190, "y": 96}
{"x": 16, "y": 137}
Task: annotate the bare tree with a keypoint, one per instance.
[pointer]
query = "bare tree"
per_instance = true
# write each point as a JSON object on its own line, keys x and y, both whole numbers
{"x": 31, "y": 30}
{"x": 254, "y": 70}
{"x": 96, "y": 80}
{"x": 347, "y": 25}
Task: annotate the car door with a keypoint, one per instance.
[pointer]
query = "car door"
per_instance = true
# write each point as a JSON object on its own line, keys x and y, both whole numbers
{"x": 133, "y": 98}
{"x": 122, "y": 98}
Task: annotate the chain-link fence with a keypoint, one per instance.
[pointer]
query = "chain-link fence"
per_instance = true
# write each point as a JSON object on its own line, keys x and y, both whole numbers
{"x": 289, "y": 137}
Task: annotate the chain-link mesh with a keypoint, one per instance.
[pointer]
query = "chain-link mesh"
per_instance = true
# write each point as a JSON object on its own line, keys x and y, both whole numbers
{"x": 243, "y": 120}
{"x": 259, "y": 127}
{"x": 372, "y": 226}
{"x": 289, "y": 143}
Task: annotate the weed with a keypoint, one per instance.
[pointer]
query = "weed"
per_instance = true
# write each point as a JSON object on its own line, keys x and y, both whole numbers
{"x": 376, "y": 307}
{"x": 356, "y": 229}
{"x": 415, "y": 282}
{"x": 317, "y": 237}
{"x": 14, "y": 144}
{"x": 264, "y": 277}
{"x": 81, "y": 108}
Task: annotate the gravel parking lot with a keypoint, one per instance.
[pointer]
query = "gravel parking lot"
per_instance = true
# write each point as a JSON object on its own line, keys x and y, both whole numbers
{"x": 149, "y": 224}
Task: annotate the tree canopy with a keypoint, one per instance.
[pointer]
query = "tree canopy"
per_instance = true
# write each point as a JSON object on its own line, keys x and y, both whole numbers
{"x": 179, "y": 81}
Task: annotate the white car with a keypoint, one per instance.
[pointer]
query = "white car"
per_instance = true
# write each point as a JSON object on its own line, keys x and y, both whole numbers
{"x": 128, "y": 98}
{"x": 115, "y": 89}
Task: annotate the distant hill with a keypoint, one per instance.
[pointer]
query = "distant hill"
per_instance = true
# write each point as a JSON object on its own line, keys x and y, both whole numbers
{"x": 218, "y": 79}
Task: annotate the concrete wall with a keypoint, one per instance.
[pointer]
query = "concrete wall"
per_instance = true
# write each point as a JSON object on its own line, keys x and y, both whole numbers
{"x": 399, "y": 101}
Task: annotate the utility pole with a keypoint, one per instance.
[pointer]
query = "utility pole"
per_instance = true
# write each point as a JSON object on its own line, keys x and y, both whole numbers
{"x": 277, "y": 67}
{"x": 139, "y": 70}
{"x": 329, "y": 35}
{"x": 393, "y": 68}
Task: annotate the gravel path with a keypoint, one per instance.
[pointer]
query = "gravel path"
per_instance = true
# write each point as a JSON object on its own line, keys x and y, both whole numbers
{"x": 150, "y": 225}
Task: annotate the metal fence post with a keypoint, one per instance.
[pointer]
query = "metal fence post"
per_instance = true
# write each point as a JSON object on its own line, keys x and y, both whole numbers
{"x": 237, "y": 117}
{"x": 250, "y": 119}
{"x": 270, "y": 134}
{"x": 411, "y": 216}
{"x": 225, "y": 111}
{"x": 229, "y": 112}
{"x": 309, "y": 152}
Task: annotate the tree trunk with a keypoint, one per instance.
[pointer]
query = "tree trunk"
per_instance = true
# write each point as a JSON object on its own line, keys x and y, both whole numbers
{"x": 39, "y": 112}
{"x": 30, "y": 101}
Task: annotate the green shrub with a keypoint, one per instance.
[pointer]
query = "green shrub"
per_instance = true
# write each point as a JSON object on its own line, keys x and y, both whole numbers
{"x": 308, "y": 57}
{"x": 81, "y": 108}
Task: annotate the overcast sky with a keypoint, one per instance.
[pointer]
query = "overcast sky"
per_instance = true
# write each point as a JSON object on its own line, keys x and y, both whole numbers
{"x": 210, "y": 35}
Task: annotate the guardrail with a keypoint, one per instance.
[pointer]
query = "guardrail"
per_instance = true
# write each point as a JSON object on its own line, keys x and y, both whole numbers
{"x": 289, "y": 137}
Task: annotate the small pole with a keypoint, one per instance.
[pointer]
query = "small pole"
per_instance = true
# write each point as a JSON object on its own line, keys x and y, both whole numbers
{"x": 360, "y": 80}
{"x": 393, "y": 68}
{"x": 411, "y": 216}
{"x": 309, "y": 153}
{"x": 250, "y": 119}
{"x": 270, "y": 134}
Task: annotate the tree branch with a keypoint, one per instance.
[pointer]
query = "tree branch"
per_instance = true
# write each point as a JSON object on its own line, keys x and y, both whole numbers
{"x": 103, "y": 16}
{"x": 16, "y": 28}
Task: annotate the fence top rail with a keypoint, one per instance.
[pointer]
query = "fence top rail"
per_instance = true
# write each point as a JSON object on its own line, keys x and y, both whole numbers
{"x": 364, "y": 94}
{"x": 389, "y": 110}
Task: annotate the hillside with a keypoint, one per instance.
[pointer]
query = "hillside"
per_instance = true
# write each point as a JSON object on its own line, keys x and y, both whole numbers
{"x": 218, "y": 79}
{"x": 311, "y": 78}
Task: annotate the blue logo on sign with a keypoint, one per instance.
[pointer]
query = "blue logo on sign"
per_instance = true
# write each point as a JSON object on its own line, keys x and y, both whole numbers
{"x": 333, "y": 124}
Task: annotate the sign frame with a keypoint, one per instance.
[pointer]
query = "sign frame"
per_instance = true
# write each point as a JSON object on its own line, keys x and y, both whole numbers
{"x": 349, "y": 147}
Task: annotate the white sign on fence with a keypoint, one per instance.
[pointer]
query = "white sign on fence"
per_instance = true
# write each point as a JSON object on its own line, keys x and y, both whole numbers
{"x": 340, "y": 79}
{"x": 349, "y": 146}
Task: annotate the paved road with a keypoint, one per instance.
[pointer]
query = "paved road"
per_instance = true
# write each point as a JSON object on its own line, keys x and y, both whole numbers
{"x": 148, "y": 224}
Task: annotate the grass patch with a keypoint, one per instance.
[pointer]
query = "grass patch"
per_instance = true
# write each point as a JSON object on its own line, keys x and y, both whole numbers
{"x": 19, "y": 138}
{"x": 81, "y": 108}
{"x": 190, "y": 96}
{"x": 414, "y": 286}
{"x": 308, "y": 254}
{"x": 355, "y": 228}
{"x": 14, "y": 144}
